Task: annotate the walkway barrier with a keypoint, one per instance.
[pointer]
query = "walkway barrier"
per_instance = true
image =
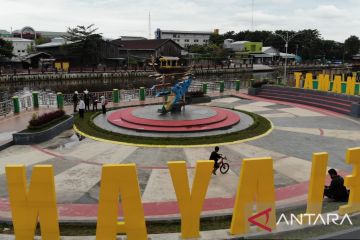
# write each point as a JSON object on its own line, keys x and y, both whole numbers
{"x": 237, "y": 87}
{"x": 142, "y": 94}
{"x": 116, "y": 96}
{"x": 35, "y": 96}
{"x": 60, "y": 100}
{"x": 16, "y": 104}
{"x": 50, "y": 99}
{"x": 6, "y": 107}
{"x": 204, "y": 88}
{"x": 222, "y": 86}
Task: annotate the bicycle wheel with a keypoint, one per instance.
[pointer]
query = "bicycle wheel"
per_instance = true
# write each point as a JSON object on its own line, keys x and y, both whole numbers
{"x": 224, "y": 168}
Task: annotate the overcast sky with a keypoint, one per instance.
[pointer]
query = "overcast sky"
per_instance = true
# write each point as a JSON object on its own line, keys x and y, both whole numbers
{"x": 335, "y": 19}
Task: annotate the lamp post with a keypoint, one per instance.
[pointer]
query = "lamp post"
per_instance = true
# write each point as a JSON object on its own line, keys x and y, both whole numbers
{"x": 286, "y": 39}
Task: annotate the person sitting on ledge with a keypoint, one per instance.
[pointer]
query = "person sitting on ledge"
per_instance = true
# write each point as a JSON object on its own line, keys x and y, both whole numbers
{"x": 336, "y": 191}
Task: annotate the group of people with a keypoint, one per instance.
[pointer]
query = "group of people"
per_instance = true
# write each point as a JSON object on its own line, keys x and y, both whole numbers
{"x": 83, "y": 102}
{"x": 336, "y": 191}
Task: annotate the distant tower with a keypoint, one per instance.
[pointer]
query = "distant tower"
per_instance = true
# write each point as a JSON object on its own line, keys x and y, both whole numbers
{"x": 149, "y": 26}
{"x": 252, "y": 15}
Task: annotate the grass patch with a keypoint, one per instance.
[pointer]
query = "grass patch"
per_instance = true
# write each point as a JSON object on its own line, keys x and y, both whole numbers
{"x": 260, "y": 126}
{"x": 46, "y": 125}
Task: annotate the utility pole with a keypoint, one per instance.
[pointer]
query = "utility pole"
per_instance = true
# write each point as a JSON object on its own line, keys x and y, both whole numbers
{"x": 149, "y": 25}
{"x": 286, "y": 39}
{"x": 252, "y": 15}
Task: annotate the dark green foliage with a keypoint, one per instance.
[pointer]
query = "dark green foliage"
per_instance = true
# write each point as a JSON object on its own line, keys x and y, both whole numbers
{"x": 352, "y": 46}
{"x": 86, "y": 44}
{"x": 6, "y": 49}
{"x": 309, "y": 44}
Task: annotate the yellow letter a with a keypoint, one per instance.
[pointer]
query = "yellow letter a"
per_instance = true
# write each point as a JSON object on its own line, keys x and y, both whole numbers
{"x": 190, "y": 204}
{"x": 115, "y": 179}
{"x": 39, "y": 201}
{"x": 256, "y": 182}
{"x": 352, "y": 182}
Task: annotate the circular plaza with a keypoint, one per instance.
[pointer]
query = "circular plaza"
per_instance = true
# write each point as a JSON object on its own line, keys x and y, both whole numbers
{"x": 295, "y": 133}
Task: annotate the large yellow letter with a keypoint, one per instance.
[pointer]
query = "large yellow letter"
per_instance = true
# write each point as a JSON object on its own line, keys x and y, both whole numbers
{"x": 190, "y": 204}
{"x": 256, "y": 183}
{"x": 352, "y": 182}
{"x": 308, "y": 81}
{"x": 321, "y": 78}
{"x": 350, "y": 85}
{"x": 38, "y": 202}
{"x": 297, "y": 79}
{"x": 120, "y": 179}
{"x": 326, "y": 82}
{"x": 337, "y": 84}
{"x": 317, "y": 183}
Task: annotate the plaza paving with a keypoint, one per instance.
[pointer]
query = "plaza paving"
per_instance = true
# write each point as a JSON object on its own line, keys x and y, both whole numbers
{"x": 298, "y": 132}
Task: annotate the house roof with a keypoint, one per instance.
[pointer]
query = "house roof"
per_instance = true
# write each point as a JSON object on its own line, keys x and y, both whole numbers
{"x": 150, "y": 44}
{"x": 261, "y": 55}
{"x": 13, "y": 39}
{"x": 36, "y": 54}
{"x": 53, "y": 44}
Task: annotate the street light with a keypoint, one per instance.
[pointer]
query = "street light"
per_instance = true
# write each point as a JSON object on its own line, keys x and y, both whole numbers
{"x": 287, "y": 39}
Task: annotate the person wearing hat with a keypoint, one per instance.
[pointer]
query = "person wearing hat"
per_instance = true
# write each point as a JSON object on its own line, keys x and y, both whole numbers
{"x": 103, "y": 104}
{"x": 75, "y": 99}
{"x": 87, "y": 100}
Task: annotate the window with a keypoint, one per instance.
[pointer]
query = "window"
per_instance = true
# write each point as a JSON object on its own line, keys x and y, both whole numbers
{"x": 205, "y": 41}
{"x": 187, "y": 40}
{"x": 174, "y": 35}
{"x": 18, "y": 50}
{"x": 196, "y": 40}
{"x": 23, "y": 50}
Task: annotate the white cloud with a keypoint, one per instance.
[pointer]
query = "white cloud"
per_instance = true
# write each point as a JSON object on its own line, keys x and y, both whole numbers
{"x": 115, "y": 18}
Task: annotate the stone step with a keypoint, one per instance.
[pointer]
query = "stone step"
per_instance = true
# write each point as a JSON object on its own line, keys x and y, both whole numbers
{"x": 306, "y": 102}
{"x": 320, "y": 99}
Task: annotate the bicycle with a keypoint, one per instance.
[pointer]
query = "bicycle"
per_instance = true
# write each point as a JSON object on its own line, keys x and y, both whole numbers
{"x": 224, "y": 165}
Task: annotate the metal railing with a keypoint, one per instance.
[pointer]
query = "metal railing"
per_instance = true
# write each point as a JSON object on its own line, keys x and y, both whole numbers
{"x": 6, "y": 107}
{"x": 25, "y": 102}
{"x": 49, "y": 99}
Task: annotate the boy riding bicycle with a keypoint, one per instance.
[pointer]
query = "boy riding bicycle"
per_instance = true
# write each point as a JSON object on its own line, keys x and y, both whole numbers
{"x": 217, "y": 157}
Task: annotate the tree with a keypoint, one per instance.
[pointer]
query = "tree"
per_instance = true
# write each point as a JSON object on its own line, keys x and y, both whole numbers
{"x": 86, "y": 44}
{"x": 41, "y": 40}
{"x": 351, "y": 47}
{"x": 6, "y": 49}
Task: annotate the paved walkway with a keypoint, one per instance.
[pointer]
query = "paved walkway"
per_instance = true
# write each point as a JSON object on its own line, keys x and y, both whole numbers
{"x": 298, "y": 133}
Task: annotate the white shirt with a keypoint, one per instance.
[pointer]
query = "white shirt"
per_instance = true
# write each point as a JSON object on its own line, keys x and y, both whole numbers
{"x": 81, "y": 104}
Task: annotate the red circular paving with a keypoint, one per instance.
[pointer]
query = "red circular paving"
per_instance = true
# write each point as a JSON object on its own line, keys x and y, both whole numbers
{"x": 222, "y": 119}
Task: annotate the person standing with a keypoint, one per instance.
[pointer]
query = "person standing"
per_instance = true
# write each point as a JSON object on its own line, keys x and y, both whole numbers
{"x": 103, "y": 104}
{"x": 87, "y": 100}
{"x": 81, "y": 108}
{"x": 94, "y": 101}
{"x": 75, "y": 99}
